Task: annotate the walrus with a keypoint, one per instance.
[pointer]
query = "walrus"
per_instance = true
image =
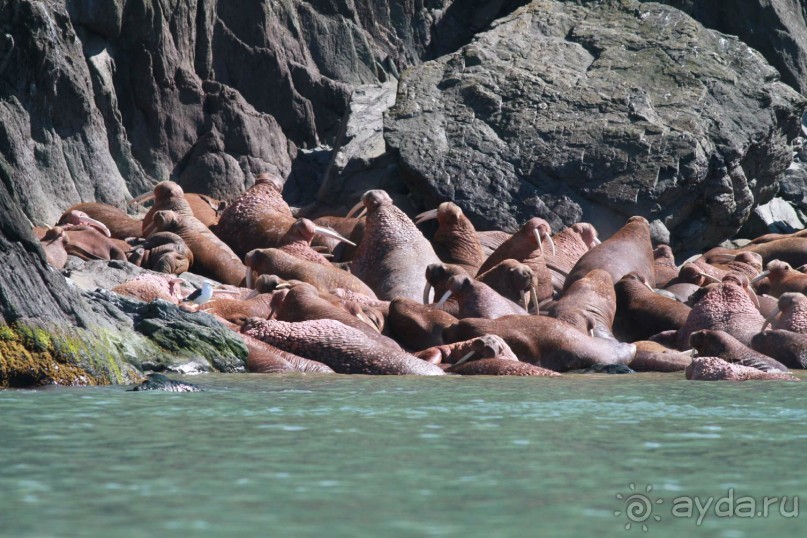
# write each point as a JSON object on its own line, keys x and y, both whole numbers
{"x": 747, "y": 263}
{"x": 727, "y": 307}
{"x": 787, "y": 347}
{"x": 791, "y": 250}
{"x": 164, "y": 252}
{"x": 722, "y": 345}
{"x": 265, "y": 358}
{"x": 629, "y": 250}
{"x": 211, "y": 256}
{"x": 258, "y": 218}
{"x": 297, "y": 241}
{"x": 513, "y": 280}
{"x": 393, "y": 255}
{"x": 417, "y": 326}
{"x": 716, "y": 369}
{"x": 527, "y": 247}
{"x": 653, "y": 357}
{"x": 75, "y": 217}
{"x": 589, "y": 305}
{"x": 303, "y": 302}
{"x": 437, "y": 276}
{"x": 497, "y": 366}
{"x": 286, "y": 266}
{"x": 570, "y": 245}
{"x": 483, "y": 347}
{"x": 641, "y": 313}
{"x": 119, "y": 224}
{"x": 83, "y": 242}
{"x": 664, "y": 266}
{"x": 237, "y": 311}
{"x": 345, "y": 349}
{"x": 778, "y": 278}
{"x": 149, "y": 287}
{"x": 477, "y": 299}
{"x": 767, "y": 238}
{"x": 455, "y": 240}
{"x": 793, "y": 309}
{"x": 544, "y": 341}
{"x": 168, "y": 196}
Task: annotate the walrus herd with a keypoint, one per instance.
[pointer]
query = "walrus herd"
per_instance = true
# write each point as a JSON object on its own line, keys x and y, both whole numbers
{"x": 370, "y": 294}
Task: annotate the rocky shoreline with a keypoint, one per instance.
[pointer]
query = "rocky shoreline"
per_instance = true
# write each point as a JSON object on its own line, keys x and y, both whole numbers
{"x": 567, "y": 111}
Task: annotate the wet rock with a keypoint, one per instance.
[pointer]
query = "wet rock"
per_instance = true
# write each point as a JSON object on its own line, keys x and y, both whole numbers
{"x": 597, "y": 111}
{"x": 160, "y": 382}
{"x": 606, "y": 369}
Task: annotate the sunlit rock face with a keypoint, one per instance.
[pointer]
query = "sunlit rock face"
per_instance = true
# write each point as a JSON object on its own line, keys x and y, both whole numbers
{"x": 598, "y": 111}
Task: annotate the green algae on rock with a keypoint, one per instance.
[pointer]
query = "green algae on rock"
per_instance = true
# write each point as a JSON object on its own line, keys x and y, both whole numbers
{"x": 33, "y": 355}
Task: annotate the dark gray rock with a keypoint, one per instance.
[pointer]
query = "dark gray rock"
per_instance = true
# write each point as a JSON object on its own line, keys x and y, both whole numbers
{"x": 48, "y": 332}
{"x": 598, "y": 111}
{"x": 160, "y": 382}
{"x": 101, "y": 100}
{"x": 51, "y": 133}
{"x": 359, "y": 160}
{"x": 776, "y": 28}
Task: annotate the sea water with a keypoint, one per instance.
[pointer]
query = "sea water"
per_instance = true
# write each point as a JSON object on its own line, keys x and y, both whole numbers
{"x": 317, "y": 455}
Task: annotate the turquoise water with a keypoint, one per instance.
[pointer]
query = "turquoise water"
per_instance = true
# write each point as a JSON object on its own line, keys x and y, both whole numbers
{"x": 393, "y": 456}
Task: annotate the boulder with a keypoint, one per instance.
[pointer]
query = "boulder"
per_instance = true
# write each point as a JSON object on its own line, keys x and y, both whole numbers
{"x": 777, "y": 216}
{"x": 589, "y": 111}
{"x": 776, "y": 28}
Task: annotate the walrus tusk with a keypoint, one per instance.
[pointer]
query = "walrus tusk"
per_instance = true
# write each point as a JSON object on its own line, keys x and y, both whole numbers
{"x": 551, "y": 244}
{"x": 426, "y": 215}
{"x": 354, "y": 209}
{"x": 596, "y": 241}
{"x": 525, "y": 301}
{"x": 760, "y": 276}
{"x": 443, "y": 299}
{"x": 426, "y": 291}
{"x": 709, "y": 277}
{"x": 753, "y": 296}
{"x": 537, "y": 235}
{"x": 690, "y": 352}
{"x": 465, "y": 358}
{"x": 148, "y": 229}
{"x": 332, "y": 234}
{"x": 91, "y": 222}
{"x": 769, "y": 319}
{"x": 534, "y": 297}
{"x": 369, "y": 322}
{"x": 249, "y": 279}
{"x": 142, "y": 198}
